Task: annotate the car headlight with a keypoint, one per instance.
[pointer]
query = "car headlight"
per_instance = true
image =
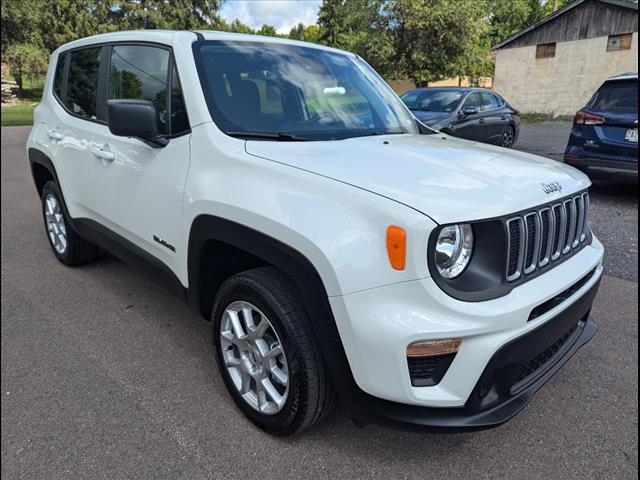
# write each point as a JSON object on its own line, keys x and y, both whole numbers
{"x": 453, "y": 249}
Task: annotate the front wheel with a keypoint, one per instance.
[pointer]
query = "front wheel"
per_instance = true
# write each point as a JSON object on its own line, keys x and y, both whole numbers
{"x": 508, "y": 137}
{"x": 267, "y": 353}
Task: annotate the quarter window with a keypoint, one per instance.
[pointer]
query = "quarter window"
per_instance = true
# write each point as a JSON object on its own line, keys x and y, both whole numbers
{"x": 140, "y": 72}
{"x": 83, "y": 82}
{"x": 179, "y": 118}
{"x": 58, "y": 78}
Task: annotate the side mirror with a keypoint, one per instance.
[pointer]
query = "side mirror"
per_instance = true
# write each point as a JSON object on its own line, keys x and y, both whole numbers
{"x": 135, "y": 118}
{"x": 466, "y": 111}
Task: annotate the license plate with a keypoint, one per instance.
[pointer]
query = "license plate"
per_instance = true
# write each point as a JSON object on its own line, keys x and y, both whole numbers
{"x": 632, "y": 135}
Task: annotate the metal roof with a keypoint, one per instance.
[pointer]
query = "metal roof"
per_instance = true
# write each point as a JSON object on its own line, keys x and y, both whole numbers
{"x": 557, "y": 13}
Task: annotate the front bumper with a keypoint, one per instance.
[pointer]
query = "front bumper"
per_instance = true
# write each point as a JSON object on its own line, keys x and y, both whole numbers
{"x": 480, "y": 389}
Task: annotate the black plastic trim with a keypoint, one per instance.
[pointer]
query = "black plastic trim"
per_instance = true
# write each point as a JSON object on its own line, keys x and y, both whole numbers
{"x": 129, "y": 253}
{"x": 484, "y": 278}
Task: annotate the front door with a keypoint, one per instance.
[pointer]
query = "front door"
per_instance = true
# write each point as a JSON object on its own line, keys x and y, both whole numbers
{"x": 470, "y": 126}
{"x": 141, "y": 188}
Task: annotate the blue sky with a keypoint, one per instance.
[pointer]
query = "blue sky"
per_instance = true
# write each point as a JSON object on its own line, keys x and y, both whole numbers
{"x": 282, "y": 14}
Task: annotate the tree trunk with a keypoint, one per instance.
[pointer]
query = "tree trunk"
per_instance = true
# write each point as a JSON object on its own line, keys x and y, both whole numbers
{"x": 18, "y": 78}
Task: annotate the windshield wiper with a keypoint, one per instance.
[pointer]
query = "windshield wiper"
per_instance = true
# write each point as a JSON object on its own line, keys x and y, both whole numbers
{"x": 279, "y": 136}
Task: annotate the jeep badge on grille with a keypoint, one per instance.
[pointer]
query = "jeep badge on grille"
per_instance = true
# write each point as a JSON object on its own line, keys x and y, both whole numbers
{"x": 551, "y": 187}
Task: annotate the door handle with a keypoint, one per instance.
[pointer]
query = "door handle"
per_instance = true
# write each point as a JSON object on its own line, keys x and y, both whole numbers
{"x": 54, "y": 135}
{"x": 481, "y": 120}
{"x": 102, "y": 153}
{"x": 503, "y": 117}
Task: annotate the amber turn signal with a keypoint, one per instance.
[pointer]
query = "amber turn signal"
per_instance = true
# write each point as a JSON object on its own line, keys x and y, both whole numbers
{"x": 397, "y": 246}
{"x": 433, "y": 348}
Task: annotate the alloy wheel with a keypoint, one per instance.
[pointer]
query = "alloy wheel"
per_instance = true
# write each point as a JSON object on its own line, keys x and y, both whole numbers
{"x": 55, "y": 223}
{"x": 254, "y": 357}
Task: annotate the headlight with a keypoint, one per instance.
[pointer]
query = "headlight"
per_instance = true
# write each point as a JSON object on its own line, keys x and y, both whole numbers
{"x": 453, "y": 249}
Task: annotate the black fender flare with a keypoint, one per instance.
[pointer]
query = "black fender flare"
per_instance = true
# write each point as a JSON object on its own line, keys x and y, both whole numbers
{"x": 292, "y": 263}
{"x": 38, "y": 157}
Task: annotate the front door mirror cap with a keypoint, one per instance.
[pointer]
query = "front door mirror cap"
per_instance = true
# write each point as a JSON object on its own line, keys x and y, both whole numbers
{"x": 137, "y": 119}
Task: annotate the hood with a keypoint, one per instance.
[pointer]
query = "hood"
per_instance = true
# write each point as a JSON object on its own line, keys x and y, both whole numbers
{"x": 429, "y": 118}
{"x": 448, "y": 179}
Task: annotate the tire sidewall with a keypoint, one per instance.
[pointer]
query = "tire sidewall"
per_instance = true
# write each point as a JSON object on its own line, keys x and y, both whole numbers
{"x": 51, "y": 188}
{"x": 284, "y": 421}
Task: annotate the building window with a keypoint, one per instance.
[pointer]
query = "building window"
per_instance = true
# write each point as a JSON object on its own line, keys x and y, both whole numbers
{"x": 546, "y": 50}
{"x": 619, "y": 42}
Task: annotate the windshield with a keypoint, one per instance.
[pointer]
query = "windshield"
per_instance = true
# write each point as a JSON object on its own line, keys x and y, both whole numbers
{"x": 432, "y": 100}
{"x": 289, "y": 92}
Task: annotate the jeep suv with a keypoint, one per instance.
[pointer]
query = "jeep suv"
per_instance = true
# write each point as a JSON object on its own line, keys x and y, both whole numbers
{"x": 341, "y": 250}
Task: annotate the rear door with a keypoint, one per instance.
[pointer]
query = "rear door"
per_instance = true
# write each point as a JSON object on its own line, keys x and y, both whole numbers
{"x": 140, "y": 188}
{"x": 70, "y": 128}
{"x": 617, "y": 138}
{"x": 471, "y": 127}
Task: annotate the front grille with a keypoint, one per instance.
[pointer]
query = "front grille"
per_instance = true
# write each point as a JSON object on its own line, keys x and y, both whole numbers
{"x": 538, "y": 238}
{"x": 539, "y": 361}
{"x": 428, "y": 371}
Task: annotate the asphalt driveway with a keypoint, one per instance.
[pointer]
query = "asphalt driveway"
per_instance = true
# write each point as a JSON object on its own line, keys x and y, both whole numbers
{"x": 104, "y": 375}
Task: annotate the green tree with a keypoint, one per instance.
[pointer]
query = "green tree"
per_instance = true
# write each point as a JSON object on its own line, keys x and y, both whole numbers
{"x": 25, "y": 60}
{"x": 267, "y": 30}
{"x": 297, "y": 32}
{"x": 238, "y": 27}
{"x": 21, "y": 22}
{"x": 312, "y": 33}
{"x": 359, "y": 26}
{"x": 433, "y": 38}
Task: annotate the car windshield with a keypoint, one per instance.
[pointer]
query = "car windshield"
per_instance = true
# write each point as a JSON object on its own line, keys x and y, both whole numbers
{"x": 618, "y": 96}
{"x": 432, "y": 100}
{"x": 288, "y": 92}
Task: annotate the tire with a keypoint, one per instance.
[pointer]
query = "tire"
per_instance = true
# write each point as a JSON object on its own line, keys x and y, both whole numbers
{"x": 308, "y": 395}
{"x": 68, "y": 247}
{"x": 508, "y": 137}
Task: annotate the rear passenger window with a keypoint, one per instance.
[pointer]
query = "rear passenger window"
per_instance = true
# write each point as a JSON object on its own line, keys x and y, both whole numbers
{"x": 140, "y": 72}
{"x": 58, "y": 77}
{"x": 83, "y": 82}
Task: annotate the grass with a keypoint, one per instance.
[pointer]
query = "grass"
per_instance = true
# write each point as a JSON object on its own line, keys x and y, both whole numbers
{"x": 543, "y": 117}
{"x": 22, "y": 112}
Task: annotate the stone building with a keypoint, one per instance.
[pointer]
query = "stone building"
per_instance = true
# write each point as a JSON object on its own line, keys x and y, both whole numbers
{"x": 555, "y": 65}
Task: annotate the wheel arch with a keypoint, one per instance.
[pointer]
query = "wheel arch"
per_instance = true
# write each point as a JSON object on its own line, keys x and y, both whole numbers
{"x": 258, "y": 249}
{"x": 42, "y": 169}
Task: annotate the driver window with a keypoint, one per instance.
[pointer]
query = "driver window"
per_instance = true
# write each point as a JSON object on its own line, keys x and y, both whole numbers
{"x": 473, "y": 101}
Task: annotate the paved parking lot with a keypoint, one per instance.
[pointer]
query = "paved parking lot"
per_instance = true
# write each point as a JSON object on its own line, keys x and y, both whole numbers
{"x": 104, "y": 375}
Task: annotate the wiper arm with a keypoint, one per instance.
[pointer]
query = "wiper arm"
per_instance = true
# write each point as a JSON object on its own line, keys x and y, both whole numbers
{"x": 279, "y": 136}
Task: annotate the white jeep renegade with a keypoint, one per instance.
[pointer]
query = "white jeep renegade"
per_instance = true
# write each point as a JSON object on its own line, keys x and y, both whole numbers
{"x": 341, "y": 249}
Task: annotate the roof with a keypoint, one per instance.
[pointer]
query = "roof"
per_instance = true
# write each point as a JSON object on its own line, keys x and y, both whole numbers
{"x": 624, "y": 76}
{"x": 616, "y": 3}
{"x": 169, "y": 37}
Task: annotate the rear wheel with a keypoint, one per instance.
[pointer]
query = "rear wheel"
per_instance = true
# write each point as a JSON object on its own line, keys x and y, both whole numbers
{"x": 68, "y": 247}
{"x": 267, "y": 354}
{"x": 508, "y": 137}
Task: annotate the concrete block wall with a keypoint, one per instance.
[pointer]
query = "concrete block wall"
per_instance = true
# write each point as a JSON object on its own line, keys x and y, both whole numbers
{"x": 563, "y": 84}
